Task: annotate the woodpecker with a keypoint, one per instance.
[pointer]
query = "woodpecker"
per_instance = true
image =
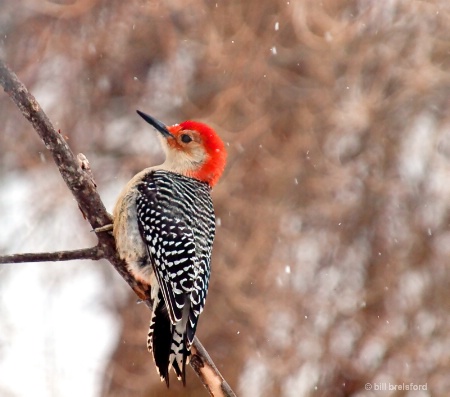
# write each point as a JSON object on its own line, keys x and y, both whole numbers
{"x": 164, "y": 227}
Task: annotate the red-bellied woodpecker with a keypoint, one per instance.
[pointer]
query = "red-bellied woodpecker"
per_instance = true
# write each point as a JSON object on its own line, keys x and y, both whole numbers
{"x": 164, "y": 227}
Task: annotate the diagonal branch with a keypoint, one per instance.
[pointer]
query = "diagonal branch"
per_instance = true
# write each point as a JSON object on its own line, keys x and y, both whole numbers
{"x": 72, "y": 170}
{"x": 208, "y": 372}
{"x": 79, "y": 181}
{"x": 76, "y": 179}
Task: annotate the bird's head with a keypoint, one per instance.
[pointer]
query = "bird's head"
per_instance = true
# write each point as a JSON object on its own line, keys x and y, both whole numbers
{"x": 192, "y": 149}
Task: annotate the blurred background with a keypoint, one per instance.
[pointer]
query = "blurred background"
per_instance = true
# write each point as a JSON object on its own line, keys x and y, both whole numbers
{"x": 330, "y": 265}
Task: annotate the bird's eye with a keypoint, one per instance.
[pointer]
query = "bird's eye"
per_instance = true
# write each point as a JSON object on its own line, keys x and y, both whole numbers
{"x": 185, "y": 138}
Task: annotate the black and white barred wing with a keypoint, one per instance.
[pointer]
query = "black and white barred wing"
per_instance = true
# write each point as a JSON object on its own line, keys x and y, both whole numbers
{"x": 176, "y": 220}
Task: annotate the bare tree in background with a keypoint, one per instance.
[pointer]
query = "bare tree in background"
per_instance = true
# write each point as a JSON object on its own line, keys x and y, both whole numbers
{"x": 330, "y": 265}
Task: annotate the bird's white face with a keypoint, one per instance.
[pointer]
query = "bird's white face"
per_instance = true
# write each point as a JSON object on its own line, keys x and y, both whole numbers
{"x": 185, "y": 152}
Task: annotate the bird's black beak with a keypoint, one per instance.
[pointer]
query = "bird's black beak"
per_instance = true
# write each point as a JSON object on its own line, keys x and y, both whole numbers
{"x": 156, "y": 123}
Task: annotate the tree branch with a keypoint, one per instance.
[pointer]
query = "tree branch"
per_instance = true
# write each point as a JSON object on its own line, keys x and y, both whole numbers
{"x": 208, "y": 373}
{"x": 93, "y": 253}
{"x": 80, "y": 182}
{"x": 72, "y": 169}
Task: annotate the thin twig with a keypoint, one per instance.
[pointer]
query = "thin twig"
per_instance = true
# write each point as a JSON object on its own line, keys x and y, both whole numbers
{"x": 93, "y": 253}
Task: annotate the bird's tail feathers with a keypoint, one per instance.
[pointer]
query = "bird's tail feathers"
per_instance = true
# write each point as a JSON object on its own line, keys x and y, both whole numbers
{"x": 168, "y": 343}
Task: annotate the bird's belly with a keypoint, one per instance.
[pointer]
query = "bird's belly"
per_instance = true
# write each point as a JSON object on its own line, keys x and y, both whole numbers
{"x": 130, "y": 245}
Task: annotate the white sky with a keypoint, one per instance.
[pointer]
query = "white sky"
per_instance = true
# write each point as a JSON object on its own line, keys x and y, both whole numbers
{"x": 56, "y": 333}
